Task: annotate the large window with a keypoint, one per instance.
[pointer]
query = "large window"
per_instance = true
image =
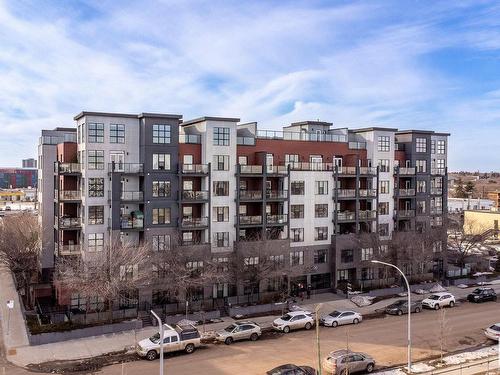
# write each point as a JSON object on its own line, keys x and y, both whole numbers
{"x": 297, "y": 188}
{"x": 421, "y": 186}
{"x": 221, "y": 136}
{"x": 250, "y": 261}
{"x": 421, "y": 145}
{"x": 221, "y": 239}
{"x": 161, "y": 189}
{"x": 367, "y": 273}
{"x": 383, "y": 230}
{"x": 95, "y": 133}
{"x": 384, "y": 165}
{"x": 95, "y": 159}
{"x": 367, "y": 253}
{"x": 321, "y": 210}
{"x": 161, "y": 215}
{"x": 161, "y": 162}
{"x": 117, "y": 133}
{"x": 296, "y": 258}
{"x": 421, "y": 166}
{"x": 320, "y": 256}
{"x": 291, "y": 159}
{"x": 297, "y": 211}
{"x": 441, "y": 147}
{"x": 221, "y": 214}
{"x": 384, "y": 143}
{"x": 161, "y": 242}
{"x": 297, "y": 234}
{"x": 96, "y": 187}
{"x": 384, "y": 187}
{"x": 320, "y": 233}
{"x": 96, "y": 215}
{"x": 347, "y": 256}
{"x": 383, "y": 208}
{"x": 95, "y": 242}
{"x": 221, "y": 162}
{"x": 161, "y": 133}
{"x": 321, "y": 187}
{"x": 221, "y": 188}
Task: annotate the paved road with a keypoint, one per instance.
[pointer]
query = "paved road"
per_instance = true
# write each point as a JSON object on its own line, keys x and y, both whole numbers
{"x": 384, "y": 339}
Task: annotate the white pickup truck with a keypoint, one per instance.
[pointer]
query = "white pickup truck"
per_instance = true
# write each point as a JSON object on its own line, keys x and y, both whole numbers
{"x": 185, "y": 338}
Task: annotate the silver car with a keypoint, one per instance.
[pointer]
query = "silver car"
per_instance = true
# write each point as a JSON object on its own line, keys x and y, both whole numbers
{"x": 343, "y": 362}
{"x": 239, "y": 331}
{"x": 338, "y": 318}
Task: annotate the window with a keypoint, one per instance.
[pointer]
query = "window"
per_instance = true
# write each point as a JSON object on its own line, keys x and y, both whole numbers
{"x": 291, "y": 159}
{"x": 221, "y": 188}
{"x": 117, "y": 133}
{"x": 222, "y": 264}
{"x": 297, "y": 188}
{"x": 297, "y": 234}
{"x": 296, "y": 258}
{"x": 221, "y": 136}
{"x": 161, "y": 134}
{"x": 277, "y": 260}
{"x": 441, "y": 147}
{"x": 384, "y": 165}
{"x": 161, "y": 215}
{"x": 95, "y": 242}
{"x": 95, "y": 133}
{"x": 367, "y": 273}
{"x": 221, "y": 213}
{"x": 367, "y": 253}
{"x": 437, "y": 247}
{"x": 320, "y": 233}
{"x": 250, "y": 261}
{"x": 161, "y": 189}
{"x": 161, "y": 162}
{"x": 221, "y": 162}
{"x": 221, "y": 239}
{"x": 96, "y": 215}
{"x": 383, "y": 208}
{"x": 96, "y": 159}
{"x": 321, "y": 187}
{"x": 433, "y": 147}
{"x": 421, "y": 166}
{"x": 421, "y": 187}
{"x": 128, "y": 272}
{"x": 96, "y": 187}
{"x": 342, "y": 275}
{"x": 384, "y": 187}
{"x": 242, "y": 160}
{"x": 420, "y": 207}
{"x": 440, "y": 165}
{"x": 161, "y": 242}
{"x": 347, "y": 256}
{"x": 297, "y": 211}
{"x": 421, "y": 145}
{"x": 383, "y": 230}
{"x": 187, "y": 238}
{"x": 194, "y": 265}
{"x": 321, "y": 210}
{"x": 320, "y": 256}
{"x": 384, "y": 143}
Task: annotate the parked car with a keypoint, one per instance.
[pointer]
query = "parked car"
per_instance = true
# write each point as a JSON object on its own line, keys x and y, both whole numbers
{"x": 294, "y": 320}
{"x": 290, "y": 369}
{"x": 7, "y": 208}
{"x": 239, "y": 331}
{"x": 401, "y": 307}
{"x": 482, "y": 295}
{"x": 493, "y": 332}
{"x": 342, "y": 362}
{"x": 180, "y": 338}
{"x": 438, "y": 300}
{"x": 338, "y": 318}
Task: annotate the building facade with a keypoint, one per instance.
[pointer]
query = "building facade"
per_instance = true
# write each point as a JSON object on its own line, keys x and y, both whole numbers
{"x": 29, "y": 163}
{"x": 307, "y": 194}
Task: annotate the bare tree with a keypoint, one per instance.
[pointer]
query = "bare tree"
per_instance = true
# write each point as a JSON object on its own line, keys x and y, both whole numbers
{"x": 443, "y": 332}
{"x": 20, "y": 249}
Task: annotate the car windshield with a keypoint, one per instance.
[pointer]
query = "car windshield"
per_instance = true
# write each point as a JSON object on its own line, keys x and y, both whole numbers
{"x": 155, "y": 339}
{"x": 286, "y": 317}
{"x": 477, "y": 291}
{"x": 230, "y": 328}
{"x": 495, "y": 327}
{"x": 434, "y": 297}
{"x": 335, "y": 314}
{"x": 399, "y": 303}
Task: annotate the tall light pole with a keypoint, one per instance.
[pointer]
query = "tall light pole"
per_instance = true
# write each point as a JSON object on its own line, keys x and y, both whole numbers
{"x": 409, "y": 308}
{"x": 161, "y": 340}
{"x": 318, "y": 306}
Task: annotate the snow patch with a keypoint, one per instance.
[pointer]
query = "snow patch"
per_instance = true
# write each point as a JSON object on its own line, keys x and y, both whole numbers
{"x": 361, "y": 301}
{"x": 462, "y": 286}
{"x": 437, "y": 288}
{"x": 421, "y": 367}
{"x": 420, "y": 291}
{"x": 457, "y": 359}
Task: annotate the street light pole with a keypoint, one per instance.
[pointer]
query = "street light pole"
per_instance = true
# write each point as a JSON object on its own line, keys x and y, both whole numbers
{"x": 318, "y": 306}
{"x": 161, "y": 340}
{"x": 409, "y": 308}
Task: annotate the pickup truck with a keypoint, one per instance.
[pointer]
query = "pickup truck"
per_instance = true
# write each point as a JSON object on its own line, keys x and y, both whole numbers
{"x": 186, "y": 338}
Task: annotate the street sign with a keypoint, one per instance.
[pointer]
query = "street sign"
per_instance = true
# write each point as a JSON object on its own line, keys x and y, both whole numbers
{"x": 10, "y": 304}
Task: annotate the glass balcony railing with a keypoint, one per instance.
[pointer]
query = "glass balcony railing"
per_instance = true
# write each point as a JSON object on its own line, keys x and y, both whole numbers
{"x": 367, "y": 214}
{"x": 357, "y": 145}
{"x": 276, "y": 194}
{"x": 436, "y": 190}
{"x": 190, "y": 138}
{"x": 311, "y": 166}
{"x": 346, "y": 193}
{"x": 251, "y": 194}
{"x": 405, "y": 213}
{"x": 191, "y": 195}
{"x": 70, "y": 222}
{"x": 347, "y": 170}
{"x": 194, "y": 222}
{"x": 250, "y": 220}
{"x": 276, "y": 219}
{"x": 245, "y": 141}
{"x": 70, "y": 195}
{"x": 346, "y": 216}
{"x": 367, "y": 193}
{"x": 126, "y": 167}
{"x": 194, "y": 168}
{"x": 69, "y": 168}
{"x": 438, "y": 171}
{"x": 405, "y": 171}
{"x": 406, "y": 192}
{"x": 301, "y": 136}
{"x": 250, "y": 169}
{"x": 131, "y": 196}
{"x": 368, "y": 170}
{"x": 73, "y": 249}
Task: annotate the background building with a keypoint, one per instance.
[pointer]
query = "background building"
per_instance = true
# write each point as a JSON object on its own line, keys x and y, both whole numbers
{"x": 15, "y": 178}
{"x": 29, "y": 163}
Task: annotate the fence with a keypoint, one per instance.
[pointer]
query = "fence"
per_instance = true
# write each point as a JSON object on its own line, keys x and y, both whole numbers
{"x": 481, "y": 367}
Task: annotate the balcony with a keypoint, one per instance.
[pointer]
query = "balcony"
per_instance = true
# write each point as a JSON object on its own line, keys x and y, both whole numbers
{"x": 345, "y": 193}
{"x": 190, "y": 138}
{"x": 301, "y": 136}
{"x": 367, "y": 170}
{"x": 276, "y": 219}
{"x": 349, "y": 171}
{"x": 367, "y": 193}
{"x": 357, "y": 145}
{"x": 132, "y": 223}
{"x": 192, "y": 195}
{"x": 438, "y": 171}
{"x": 70, "y": 222}
{"x": 276, "y": 194}
{"x": 194, "y": 222}
{"x": 406, "y": 193}
{"x": 277, "y": 170}
{"x": 65, "y": 250}
{"x": 132, "y": 196}
{"x": 304, "y": 166}
{"x": 405, "y": 214}
{"x": 405, "y": 171}
{"x": 127, "y": 168}
{"x": 249, "y": 195}
{"x": 245, "y": 141}
{"x": 250, "y": 220}
{"x": 436, "y": 191}
{"x": 251, "y": 169}
{"x": 346, "y": 216}
{"x": 200, "y": 169}
{"x": 70, "y": 195}
{"x": 367, "y": 215}
{"x": 70, "y": 168}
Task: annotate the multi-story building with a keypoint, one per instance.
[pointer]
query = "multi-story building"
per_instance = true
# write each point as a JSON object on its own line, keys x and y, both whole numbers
{"x": 306, "y": 195}
{"x": 16, "y": 178}
{"x": 29, "y": 163}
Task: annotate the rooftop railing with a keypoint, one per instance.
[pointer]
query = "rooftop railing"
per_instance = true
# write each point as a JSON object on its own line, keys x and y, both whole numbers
{"x": 245, "y": 141}
{"x": 301, "y": 136}
{"x": 190, "y": 138}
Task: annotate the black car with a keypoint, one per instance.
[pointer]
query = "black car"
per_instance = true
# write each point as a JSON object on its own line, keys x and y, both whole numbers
{"x": 482, "y": 295}
{"x": 290, "y": 369}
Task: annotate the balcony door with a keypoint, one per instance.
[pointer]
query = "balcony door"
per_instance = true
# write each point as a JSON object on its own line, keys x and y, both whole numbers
{"x": 118, "y": 159}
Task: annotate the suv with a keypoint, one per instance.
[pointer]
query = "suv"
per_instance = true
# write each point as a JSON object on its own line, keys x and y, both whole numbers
{"x": 493, "y": 332}
{"x": 294, "y": 320}
{"x": 343, "y": 362}
{"x": 438, "y": 300}
{"x": 290, "y": 369}
{"x": 238, "y": 331}
{"x": 401, "y": 307}
{"x": 482, "y": 295}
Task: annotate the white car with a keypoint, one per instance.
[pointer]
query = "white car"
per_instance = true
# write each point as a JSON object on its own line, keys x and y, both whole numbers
{"x": 338, "y": 318}
{"x": 294, "y": 320}
{"x": 438, "y": 300}
{"x": 493, "y": 332}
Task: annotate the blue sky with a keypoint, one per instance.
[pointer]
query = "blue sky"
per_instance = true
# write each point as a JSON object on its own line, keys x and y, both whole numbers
{"x": 405, "y": 64}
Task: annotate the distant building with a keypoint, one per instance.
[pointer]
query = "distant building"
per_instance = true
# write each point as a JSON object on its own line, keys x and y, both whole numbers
{"x": 477, "y": 222}
{"x": 457, "y": 205}
{"x": 29, "y": 163}
{"x": 16, "y": 178}
{"x": 495, "y": 197}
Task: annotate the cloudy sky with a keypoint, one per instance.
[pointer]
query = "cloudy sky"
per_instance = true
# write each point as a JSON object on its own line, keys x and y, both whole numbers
{"x": 405, "y": 64}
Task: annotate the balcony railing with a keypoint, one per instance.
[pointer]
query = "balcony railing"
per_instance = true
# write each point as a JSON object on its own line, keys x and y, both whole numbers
{"x": 70, "y": 222}
{"x": 438, "y": 171}
{"x": 368, "y": 170}
{"x": 70, "y": 195}
{"x": 276, "y": 169}
{"x": 245, "y": 141}
{"x": 405, "y": 171}
{"x": 368, "y": 214}
{"x": 405, "y": 213}
{"x": 74, "y": 249}
{"x": 190, "y": 138}
{"x": 277, "y": 194}
{"x": 251, "y": 169}
{"x": 367, "y": 193}
{"x": 191, "y": 195}
{"x": 194, "y": 168}
{"x": 357, "y": 145}
{"x": 436, "y": 190}
{"x": 346, "y": 193}
{"x": 406, "y": 192}
{"x": 436, "y": 210}
{"x": 126, "y": 167}
{"x": 301, "y": 136}
{"x": 311, "y": 166}
{"x": 346, "y": 216}
{"x": 276, "y": 219}
{"x": 127, "y": 222}
{"x": 70, "y": 168}
{"x": 251, "y": 194}
{"x": 132, "y": 196}
{"x": 194, "y": 222}
{"x": 250, "y": 220}
{"x": 347, "y": 170}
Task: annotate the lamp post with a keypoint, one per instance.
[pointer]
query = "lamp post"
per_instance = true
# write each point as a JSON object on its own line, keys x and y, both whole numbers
{"x": 161, "y": 340}
{"x": 318, "y": 306}
{"x": 409, "y": 308}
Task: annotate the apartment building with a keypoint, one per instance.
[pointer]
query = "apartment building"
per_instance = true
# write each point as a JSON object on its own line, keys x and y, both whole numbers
{"x": 305, "y": 195}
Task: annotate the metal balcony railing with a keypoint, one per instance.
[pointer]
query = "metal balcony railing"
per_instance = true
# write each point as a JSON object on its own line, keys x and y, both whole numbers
{"x": 251, "y": 169}
{"x": 132, "y": 196}
{"x": 367, "y": 214}
{"x": 436, "y": 210}
{"x": 301, "y": 136}
{"x": 406, "y": 192}
{"x": 74, "y": 195}
{"x": 126, "y": 167}
{"x": 368, "y": 170}
{"x": 367, "y": 193}
{"x": 194, "y": 222}
{"x": 405, "y": 213}
{"x": 194, "y": 168}
{"x": 250, "y": 220}
{"x": 192, "y": 195}
{"x": 70, "y": 222}
{"x": 276, "y": 219}
{"x": 347, "y": 170}
{"x": 277, "y": 194}
{"x": 405, "y": 171}
{"x": 346, "y": 216}
{"x": 346, "y": 193}
{"x": 250, "y": 194}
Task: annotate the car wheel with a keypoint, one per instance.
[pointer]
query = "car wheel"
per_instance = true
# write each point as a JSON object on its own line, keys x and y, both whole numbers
{"x": 335, "y": 324}
{"x": 286, "y": 329}
{"x": 451, "y": 304}
{"x": 228, "y": 341}
{"x": 254, "y": 337}
{"x": 308, "y": 325}
{"x": 400, "y": 312}
{"x": 417, "y": 309}
{"x": 369, "y": 368}
{"x": 189, "y": 348}
{"x": 151, "y": 355}
{"x": 436, "y": 306}
{"x": 355, "y": 321}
